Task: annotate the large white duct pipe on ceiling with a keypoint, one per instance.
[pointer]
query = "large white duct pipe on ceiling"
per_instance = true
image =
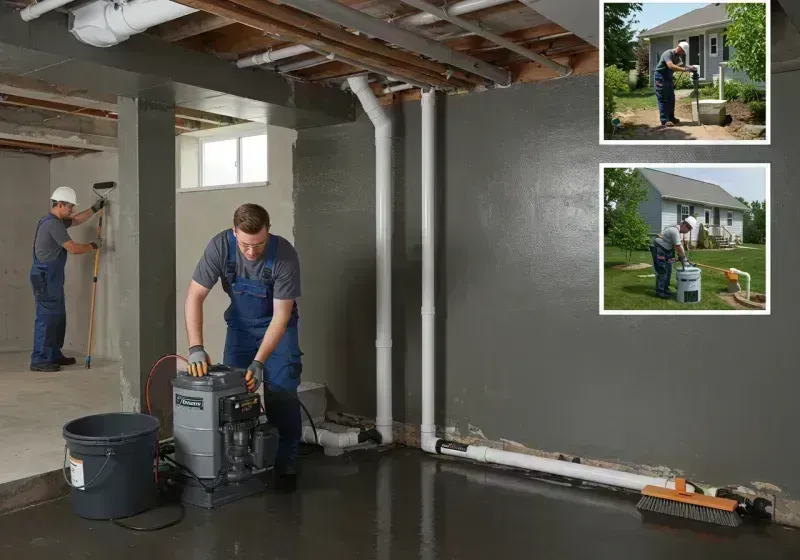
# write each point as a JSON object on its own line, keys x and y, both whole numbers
{"x": 383, "y": 237}
{"x": 104, "y": 24}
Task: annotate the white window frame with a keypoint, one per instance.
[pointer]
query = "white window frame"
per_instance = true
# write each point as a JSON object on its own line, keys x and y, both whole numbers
{"x": 713, "y": 48}
{"x": 239, "y": 184}
{"x": 729, "y": 220}
{"x": 682, "y": 213}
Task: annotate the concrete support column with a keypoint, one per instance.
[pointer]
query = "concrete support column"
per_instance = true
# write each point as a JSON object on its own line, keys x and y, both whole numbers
{"x": 146, "y": 251}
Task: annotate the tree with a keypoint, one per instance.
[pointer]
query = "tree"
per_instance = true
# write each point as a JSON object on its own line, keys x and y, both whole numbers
{"x": 622, "y": 193}
{"x": 618, "y": 39}
{"x": 642, "y": 53}
{"x": 754, "y": 221}
{"x": 747, "y": 34}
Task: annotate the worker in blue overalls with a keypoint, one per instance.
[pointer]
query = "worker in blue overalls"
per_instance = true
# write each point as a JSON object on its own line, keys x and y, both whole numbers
{"x": 51, "y": 243}
{"x": 664, "y": 84}
{"x": 260, "y": 272}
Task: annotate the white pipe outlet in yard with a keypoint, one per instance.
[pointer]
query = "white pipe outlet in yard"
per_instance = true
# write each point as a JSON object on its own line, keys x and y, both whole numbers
{"x": 104, "y": 24}
{"x": 429, "y": 442}
{"x": 746, "y": 276}
{"x": 383, "y": 237}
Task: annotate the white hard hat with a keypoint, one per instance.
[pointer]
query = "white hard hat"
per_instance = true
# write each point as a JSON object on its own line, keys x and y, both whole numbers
{"x": 64, "y": 194}
{"x": 691, "y": 221}
{"x": 685, "y": 46}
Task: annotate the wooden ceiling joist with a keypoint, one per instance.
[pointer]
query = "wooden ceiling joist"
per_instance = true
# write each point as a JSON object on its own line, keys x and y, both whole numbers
{"x": 189, "y": 26}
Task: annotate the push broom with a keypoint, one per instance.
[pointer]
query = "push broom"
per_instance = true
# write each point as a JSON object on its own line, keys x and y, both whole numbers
{"x": 691, "y": 505}
{"x": 98, "y": 188}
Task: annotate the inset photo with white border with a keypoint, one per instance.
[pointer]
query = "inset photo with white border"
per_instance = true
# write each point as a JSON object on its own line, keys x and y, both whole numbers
{"x": 684, "y": 239}
{"x": 684, "y": 72}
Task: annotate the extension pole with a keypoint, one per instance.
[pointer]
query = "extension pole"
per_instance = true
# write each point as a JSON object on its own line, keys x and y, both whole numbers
{"x": 94, "y": 291}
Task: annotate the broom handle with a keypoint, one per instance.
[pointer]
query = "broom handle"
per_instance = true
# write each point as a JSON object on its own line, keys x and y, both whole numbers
{"x": 94, "y": 287}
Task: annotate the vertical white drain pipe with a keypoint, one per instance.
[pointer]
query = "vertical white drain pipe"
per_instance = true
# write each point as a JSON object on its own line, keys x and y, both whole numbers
{"x": 428, "y": 428}
{"x": 383, "y": 237}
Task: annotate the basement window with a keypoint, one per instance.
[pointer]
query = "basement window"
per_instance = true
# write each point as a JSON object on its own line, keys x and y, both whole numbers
{"x": 730, "y": 218}
{"x": 233, "y": 162}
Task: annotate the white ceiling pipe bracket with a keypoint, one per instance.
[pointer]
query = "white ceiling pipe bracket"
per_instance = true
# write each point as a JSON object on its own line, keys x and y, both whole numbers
{"x": 35, "y": 10}
{"x": 456, "y": 9}
{"x": 475, "y": 28}
{"x": 414, "y": 20}
{"x": 271, "y": 56}
{"x": 105, "y": 24}
{"x": 383, "y": 237}
{"x": 349, "y": 17}
{"x": 428, "y": 310}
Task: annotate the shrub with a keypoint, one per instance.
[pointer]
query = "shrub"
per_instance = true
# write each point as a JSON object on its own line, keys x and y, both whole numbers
{"x": 615, "y": 81}
{"x": 709, "y": 91}
{"x": 733, "y": 90}
{"x": 749, "y": 93}
{"x": 759, "y": 110}
{"x": 683, "y": 80}
{"x": 642, "y": 52}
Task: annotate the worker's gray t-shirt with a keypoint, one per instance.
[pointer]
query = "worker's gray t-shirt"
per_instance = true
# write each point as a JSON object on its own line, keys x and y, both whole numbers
{"x": 50, "y": 239}
{"x": 286, "y": 271}
{"x": 671, "y": 56}
{"x": 670, "y": 238}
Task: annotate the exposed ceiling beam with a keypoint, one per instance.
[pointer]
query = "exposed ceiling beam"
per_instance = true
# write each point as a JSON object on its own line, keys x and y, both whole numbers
{"x": 35, "y": 126}
{"x": 574, "y": 15}
{"x": 188, "y": 26}
{"x": 37, "y": 148}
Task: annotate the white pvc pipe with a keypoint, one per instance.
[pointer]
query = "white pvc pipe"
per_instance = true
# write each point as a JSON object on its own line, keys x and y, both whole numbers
{"x": 598, "y": 475}
{"x": 35, "y": 10}
{"x": 747, "y": 277}
{"x": 413, "y": 20}
{"x": 104, "y": 24}
{"x": 395, "y": 89}
{"x": 271, "y": 56}
{"x": 428, "y": 311}
{"x": 383, "y": 237}
{"x": 326, "y": 438}
{"x": 302, "y": 64}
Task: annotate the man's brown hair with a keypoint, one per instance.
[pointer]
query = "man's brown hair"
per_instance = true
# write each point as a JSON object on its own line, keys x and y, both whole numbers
{"x": 250, "y": 218}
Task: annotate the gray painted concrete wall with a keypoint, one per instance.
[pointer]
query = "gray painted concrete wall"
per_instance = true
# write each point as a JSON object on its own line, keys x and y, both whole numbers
{"x": 522, "y": 351}
{"x": 24, "y": 195}
{"x": 81, "y": 173}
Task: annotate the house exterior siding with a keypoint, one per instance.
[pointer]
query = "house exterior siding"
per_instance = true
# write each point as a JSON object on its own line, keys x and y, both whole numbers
{"x": 669, "y": 217}
{"x": 650, "y": 209}
{"x": 657, "y": 47}
{"x": 712, "y": 62}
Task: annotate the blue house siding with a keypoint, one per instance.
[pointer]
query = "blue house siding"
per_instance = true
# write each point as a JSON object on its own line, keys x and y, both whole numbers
{"x": 650, "y": 209}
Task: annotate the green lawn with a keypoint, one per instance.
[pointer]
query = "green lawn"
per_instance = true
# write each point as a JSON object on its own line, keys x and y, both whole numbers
{"x": 625, "y": 290}
{"x": 644, "y": 98}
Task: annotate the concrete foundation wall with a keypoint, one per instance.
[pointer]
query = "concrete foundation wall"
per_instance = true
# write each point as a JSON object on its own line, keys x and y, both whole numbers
{"x": 24, "y": 195}
{"x": 80, "y": 173}
{"x": 204, "y": 213}
{"x": 522, "y": 352}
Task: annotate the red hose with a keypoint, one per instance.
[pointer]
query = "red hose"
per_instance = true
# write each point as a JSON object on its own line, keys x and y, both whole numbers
{"x": 150, "y": 376}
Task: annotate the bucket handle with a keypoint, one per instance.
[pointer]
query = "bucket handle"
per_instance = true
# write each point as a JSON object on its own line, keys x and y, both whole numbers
{"x": 109, "y": 454}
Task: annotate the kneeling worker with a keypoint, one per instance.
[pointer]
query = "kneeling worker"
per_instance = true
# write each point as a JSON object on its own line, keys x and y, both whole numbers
{"x": 663, "y": 251}
{"x": 51, "y": 243}
{"x": 260, "y": 272}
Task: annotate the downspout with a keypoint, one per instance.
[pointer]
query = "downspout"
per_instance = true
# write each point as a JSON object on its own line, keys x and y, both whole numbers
{"x": 428, "y": 311}
{"x": 105, "y": 24}
{"x": 383, "y": 237}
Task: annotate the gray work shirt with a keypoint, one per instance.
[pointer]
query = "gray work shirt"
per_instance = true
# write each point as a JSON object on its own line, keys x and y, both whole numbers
{"x": 671, "y": 56}
{"x": 286, "y": 272}
{"x": 670, "y": 238}
{"x": 50, "y": 239}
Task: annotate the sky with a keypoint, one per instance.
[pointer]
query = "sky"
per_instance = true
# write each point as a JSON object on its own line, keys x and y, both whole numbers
{"x": 653, "y": 14}
{"x": 747, "y": 182}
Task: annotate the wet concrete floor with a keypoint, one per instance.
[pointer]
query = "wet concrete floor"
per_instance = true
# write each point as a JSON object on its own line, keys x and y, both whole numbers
{"x": 399, "y": 504}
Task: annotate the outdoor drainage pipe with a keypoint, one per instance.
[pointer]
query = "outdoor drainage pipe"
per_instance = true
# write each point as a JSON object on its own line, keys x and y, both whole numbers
{"x": 428, "y": 440}
{"x": 383, "y": 237}
{"x": 747, "y": 277}
{"x": 35, "y": 10}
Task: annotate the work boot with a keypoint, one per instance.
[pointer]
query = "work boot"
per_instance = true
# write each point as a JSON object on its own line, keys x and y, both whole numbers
{"x": 45, "y": 367}
{"x": 65, "y": 361}
{"x": 675, "y": 120}
{"x": 669, "y": 123}
{"x": 285, "y": 478}
{"x": 663, "y": 296}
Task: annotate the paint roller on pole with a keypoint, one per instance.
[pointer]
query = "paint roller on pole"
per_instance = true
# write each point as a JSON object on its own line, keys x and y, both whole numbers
{"x": 101, "y": 190}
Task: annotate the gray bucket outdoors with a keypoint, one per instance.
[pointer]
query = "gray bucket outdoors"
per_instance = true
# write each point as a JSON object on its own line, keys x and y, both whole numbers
{"x": 111, "y": 460}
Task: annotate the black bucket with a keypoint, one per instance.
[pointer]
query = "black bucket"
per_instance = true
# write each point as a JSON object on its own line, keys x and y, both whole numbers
{"x": 112, "y": 464}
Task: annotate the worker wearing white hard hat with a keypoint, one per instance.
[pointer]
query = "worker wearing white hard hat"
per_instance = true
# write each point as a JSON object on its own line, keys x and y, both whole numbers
{"x": 672, "y": 60}
{"x": 663, "y": 250}
{"x": 51, "y": 243}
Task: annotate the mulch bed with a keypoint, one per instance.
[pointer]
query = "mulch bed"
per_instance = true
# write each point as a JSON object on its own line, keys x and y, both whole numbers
{"x": 635, "y": 266}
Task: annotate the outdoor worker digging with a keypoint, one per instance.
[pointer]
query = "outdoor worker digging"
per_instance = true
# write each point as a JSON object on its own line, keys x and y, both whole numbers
{"x": 260, "y": 272}
{"x": 663, "y": 251}
{"x": 51, "y": 243}
{"x": 670, "y": 62}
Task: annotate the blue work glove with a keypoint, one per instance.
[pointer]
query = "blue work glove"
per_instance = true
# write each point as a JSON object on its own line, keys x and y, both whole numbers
{"x": 98, "y": 205}
{"x": 255, "y": 376}
{"x": 198, "y": 361}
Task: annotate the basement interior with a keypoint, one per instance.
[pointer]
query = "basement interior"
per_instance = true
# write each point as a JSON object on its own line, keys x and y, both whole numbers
{"x": 320, "y": 277}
